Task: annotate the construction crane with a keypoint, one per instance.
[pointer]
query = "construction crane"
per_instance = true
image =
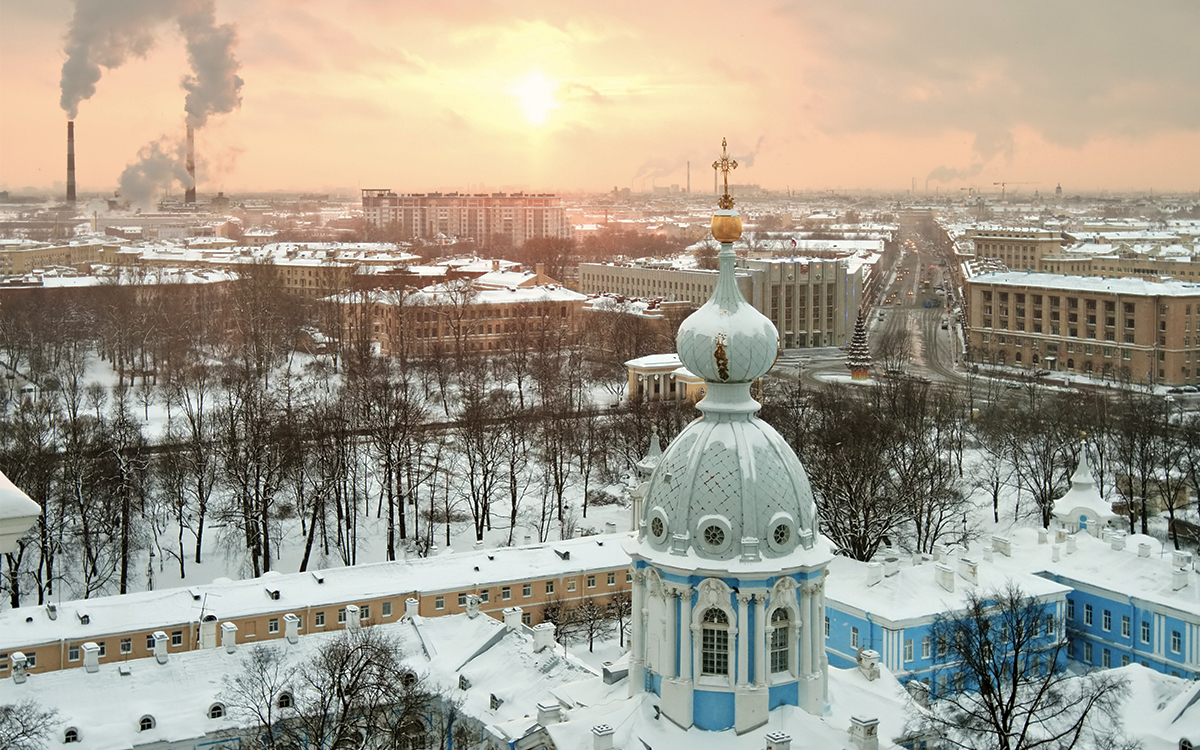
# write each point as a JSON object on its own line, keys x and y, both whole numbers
{"x": 1004, "y": 185}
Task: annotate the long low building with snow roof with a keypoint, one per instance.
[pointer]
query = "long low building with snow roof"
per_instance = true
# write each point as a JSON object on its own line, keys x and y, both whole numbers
{"x": 52, "y": 636}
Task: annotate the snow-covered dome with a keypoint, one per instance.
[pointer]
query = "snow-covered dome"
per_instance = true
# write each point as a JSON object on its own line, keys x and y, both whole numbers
{"x": 729, "y": 487}
{"x": 17, "y": 514}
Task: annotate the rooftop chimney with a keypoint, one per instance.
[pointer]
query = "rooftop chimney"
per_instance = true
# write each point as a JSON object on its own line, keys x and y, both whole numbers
{"x": 602, "y": 737}
{"x": 160, "y": 646}
{"x": 473, "y": 603}
{"x": 543, "y": 636}
{"x": 1143, "y": 549}
{"x": 512, "y": 618}
{"x": 19, "y": 669}
{"x": 189, "y": 192}
{"x": 353, "y": 617}
{"x": 1179, "y": 579}
{"x": 208, "y": 631}
{"x": 229, "y": 637}
{"x": 874, "y": 573}
{"x": 411, "y": 608}
{"x": 779, "y": 741}
{"x": 70, "y": 161}
{"x": 291, "y": 628}
{"x": 549, "y": 712}
{"x": 864, "y": 732}
{"x": 944, "y": 575}
{"x": 91, "y": 657}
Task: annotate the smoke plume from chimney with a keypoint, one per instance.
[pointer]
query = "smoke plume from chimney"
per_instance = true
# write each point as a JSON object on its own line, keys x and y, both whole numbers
{"x": 70, "y": 161}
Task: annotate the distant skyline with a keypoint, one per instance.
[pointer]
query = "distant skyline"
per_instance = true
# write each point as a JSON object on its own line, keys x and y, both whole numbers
{"x": 471, "y": 94}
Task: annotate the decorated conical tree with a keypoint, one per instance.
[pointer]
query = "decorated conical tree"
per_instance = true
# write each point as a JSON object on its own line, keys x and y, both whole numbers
{"x": 859, "y": 357}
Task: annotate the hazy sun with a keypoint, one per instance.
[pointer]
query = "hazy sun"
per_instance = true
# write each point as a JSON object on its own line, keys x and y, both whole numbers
{"x": 535, "y": 96}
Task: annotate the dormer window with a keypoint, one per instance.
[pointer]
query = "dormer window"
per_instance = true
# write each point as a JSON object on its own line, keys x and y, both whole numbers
{"x": 146, "y": 723}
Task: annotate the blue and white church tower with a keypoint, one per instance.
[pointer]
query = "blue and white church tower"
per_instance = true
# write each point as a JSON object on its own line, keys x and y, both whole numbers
{"x": 728, "y": 592}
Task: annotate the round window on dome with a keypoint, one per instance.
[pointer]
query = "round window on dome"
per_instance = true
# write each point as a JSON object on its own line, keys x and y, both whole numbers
{"x": 714, "y": 535}
{"x": 658, "y": 526}
{"x": 781, "y": 533}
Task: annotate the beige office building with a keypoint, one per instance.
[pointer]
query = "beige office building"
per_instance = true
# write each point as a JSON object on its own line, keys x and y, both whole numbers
{"x": 813, "y": 302}
{"x": 1018, "y": 248}
{"x": 1143, "y": 330}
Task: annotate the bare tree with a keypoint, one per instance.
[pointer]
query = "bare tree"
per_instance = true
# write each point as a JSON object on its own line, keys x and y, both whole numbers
{"x": 620, "y": 608}
{"x": 255, "y": 693}
{"x": 1012, "y": 690}
{"x": 25, "y": 726}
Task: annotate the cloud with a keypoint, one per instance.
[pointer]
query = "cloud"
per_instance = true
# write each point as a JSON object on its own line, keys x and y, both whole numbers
{"x": 1071, "y": 70}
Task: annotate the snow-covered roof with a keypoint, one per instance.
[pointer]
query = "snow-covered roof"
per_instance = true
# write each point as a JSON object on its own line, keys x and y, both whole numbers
{"x": 150, "y": 610}
{"x": 913, "y": 593}
{"x": 1056, "y": 282}
{"x": 106, "y": 706}
{"x": 636, "y": 724}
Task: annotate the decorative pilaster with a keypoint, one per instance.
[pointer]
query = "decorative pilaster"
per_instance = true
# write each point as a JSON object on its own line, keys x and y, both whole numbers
{"x": 743, "y": 639}
{"x": 686, "y": 655}
{"x": 760, "y": 639}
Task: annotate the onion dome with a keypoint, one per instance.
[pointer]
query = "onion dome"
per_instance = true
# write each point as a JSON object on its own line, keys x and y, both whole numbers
{"x": 729, "y": 487}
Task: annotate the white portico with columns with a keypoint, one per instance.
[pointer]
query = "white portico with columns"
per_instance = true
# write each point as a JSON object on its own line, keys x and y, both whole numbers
{"x": 728, "y": 592}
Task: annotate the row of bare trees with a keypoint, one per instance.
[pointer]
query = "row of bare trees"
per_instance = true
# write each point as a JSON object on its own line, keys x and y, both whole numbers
{"x": 888, "y": 462}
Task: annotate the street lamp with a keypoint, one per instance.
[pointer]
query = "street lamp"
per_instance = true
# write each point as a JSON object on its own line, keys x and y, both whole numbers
{"x": 17, "y": 514}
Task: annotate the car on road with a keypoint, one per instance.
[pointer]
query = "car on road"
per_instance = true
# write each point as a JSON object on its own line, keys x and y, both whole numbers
{"x": 1190, "y": 389}
{"x": 1041, "y": 373}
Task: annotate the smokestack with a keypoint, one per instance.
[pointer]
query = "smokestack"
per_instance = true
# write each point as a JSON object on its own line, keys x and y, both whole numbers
{"x": 70, "y": 161}
{"x": 189, "y": 193}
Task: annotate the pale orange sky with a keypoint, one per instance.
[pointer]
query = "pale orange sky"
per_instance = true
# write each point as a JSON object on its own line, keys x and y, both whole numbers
{"x": 464, "y": 94}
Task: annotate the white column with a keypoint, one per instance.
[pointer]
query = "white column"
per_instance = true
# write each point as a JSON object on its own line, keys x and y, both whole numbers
{"x": 743, "y": 639}
{"x": 760, "y": 640}
{"x": 637, "y": 638}
{"x": 818, "y": 640}
{"x": 685, "y": 634}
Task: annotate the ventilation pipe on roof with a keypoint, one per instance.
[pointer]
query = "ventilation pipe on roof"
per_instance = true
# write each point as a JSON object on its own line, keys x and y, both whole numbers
{"x": 602, "y": 737}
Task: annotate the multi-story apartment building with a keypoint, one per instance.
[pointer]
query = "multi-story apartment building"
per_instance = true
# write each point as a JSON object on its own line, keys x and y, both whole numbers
{"x": 518, "y": 216}
{"x": 20, "y": 258}
{"x": 812, "y": 302}
{"x": 1141, "y": 330}
{"x": 1018, "y": 248}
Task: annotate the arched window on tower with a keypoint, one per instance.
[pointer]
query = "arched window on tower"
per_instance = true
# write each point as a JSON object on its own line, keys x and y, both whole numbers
{"x": 780, "y": 640}
{"x": 714, "y": 655}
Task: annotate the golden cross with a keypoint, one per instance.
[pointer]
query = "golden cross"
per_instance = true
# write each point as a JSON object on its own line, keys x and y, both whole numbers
{"x": 724, "y": 164}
